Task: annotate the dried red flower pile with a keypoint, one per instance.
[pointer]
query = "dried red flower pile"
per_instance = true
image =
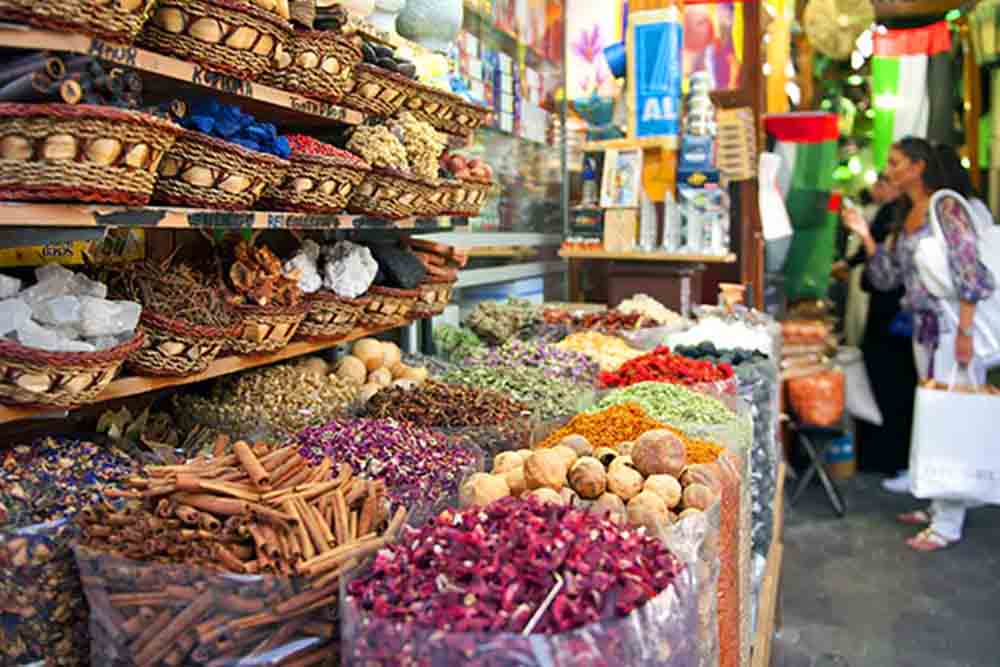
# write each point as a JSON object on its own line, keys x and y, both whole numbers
{"x": 661, "y": 365}
{"x": 491, "y": 569}
{"x": 304, "y": 144}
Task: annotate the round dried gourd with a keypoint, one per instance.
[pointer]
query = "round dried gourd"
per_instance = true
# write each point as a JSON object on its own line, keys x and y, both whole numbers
{"x": 505, "y": 461}
{"x": 698, "y": 496}
{"x": 381, "y": 377}
{"x": 579, "y": 444}
{"x": 611, "y": 504}
{"x": 625, "y": 448}
{"x": 568, "y": 455}
{"x": 666, "y": 487}
{"x": 545, "y": 495}
{"x": 353, "y": 369}
{"x": 482, "y": 489}
{"x": 624, "y": 481}
{"x": 659, "y": 452}
{"x": 709, "y": 474}
{"x": 545, "y": 468}
{"x": 605, "y": 455}
{"x": 588, "y": 477}
{"x": 648, "y": 509}
{"x": 391, "y": 355}
{"x": 515, "y": 480}
{"x": 370, "y": 352}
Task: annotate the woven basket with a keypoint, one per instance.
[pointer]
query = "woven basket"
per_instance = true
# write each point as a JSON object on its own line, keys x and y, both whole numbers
{"x": 228, "y": 36}
{"x": 176, "y": 348}
{"x": 376, "y": 91}
{"x": 204, "y": 172}
{"x": 117, "y": 22}
{"x": 80, "y": 153}
{"x": 468, "y": 197}
{"x": 331, "y": 317}
{"x": 435, "y": 295}
{"x": 391, "y": 194}
{"x": 389, "y": 306}
{"x": 316, "y": 183}
{"x": 317, "y": 63}
{"x": 266, "y": 328}
{"x": 58, "y": 379}
{"x": 445, "y": 111}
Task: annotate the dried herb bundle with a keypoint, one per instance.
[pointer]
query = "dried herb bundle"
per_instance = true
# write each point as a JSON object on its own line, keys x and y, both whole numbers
{"x": 176, "y": 291}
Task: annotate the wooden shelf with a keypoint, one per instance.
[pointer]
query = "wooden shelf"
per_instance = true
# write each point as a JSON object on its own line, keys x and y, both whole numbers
{"x": 19, "y": 214}
{"x": 768, "y": 605}
{"x": 519, "y": 252}
{"x": 663, "y": 143}
{"x": 648, "y": 256}
{"x": 172, "y": 68}
{"x": 127, "y": 386}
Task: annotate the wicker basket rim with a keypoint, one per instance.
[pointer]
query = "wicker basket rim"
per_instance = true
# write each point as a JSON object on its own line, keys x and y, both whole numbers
{"x": 383, "y": 72}
{"x": 406, "y": 176}
{"x": 223, "y": 145}
{"x": 452, "y": 98}
{"x": 29, "y": 355}
{"x": 330, "y": 161}
{"x": 330, "y": 35}
{"x": 183, "y": 327}
{"x": 327, "y": 295}
{"x": 395, "y": 291}
{"x": 270, "y": 309}
{"x": 247, "y": 8}
{"x": 85, "y": 111}
{"x": 437, "y": 280}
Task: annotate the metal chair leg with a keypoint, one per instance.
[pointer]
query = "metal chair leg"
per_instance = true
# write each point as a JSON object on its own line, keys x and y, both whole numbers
{"x": 817, "y": 467}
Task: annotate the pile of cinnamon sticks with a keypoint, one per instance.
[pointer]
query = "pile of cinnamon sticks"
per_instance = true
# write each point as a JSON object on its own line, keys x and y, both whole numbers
{"x": 159, "y": 571}
{"x": 46, "y": 77}
{"x": 441, "y": 261}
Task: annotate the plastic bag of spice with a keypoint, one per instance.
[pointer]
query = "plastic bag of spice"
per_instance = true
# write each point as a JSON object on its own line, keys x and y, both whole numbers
{"x": 818, "y": 399}
{"x": 179, "y": 614}
{"x": 663, "y": 632}
{"x": 43, "y": 613}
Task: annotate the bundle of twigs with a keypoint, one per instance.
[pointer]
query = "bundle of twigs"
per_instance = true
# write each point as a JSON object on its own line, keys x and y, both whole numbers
{"x": 174, "y": 290}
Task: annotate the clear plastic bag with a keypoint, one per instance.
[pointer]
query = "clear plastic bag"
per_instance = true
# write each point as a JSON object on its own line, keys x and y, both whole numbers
{"x": 661, "y": 633}
{"x": 165, "y": 614}
{"x": 43, "y": 612}
{"x": 649, "y": 338}
{"x": 818, "y": 398}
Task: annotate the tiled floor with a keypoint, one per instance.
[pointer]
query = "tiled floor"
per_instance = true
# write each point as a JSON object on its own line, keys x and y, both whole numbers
{"x": 855, "y": 596}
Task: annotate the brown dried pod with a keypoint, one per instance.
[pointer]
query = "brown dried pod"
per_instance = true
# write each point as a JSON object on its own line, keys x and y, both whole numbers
{"x": 578, "y": 444}
{"x": 666, "y": 487}
{"x": 588, "y": 477}
{"x": 241, "y": 276}
{"x": 545, "y": 468}
{"x": 659, "y": 452}
{"x": 698, "y": 496}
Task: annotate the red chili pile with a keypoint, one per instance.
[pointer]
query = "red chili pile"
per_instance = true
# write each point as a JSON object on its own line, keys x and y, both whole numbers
{"x": 305, "y": 145}
{"x": 661, "y": 365}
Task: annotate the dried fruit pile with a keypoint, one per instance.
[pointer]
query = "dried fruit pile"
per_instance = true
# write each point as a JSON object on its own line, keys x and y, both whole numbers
{"x": 661, "y": 365}
{"x": 648, "y": 481}
{"x": 158, "y": 570}
{"x": 609, "y": 352}
{"x": 374, "y": 365}
{"x": 417, "y": 465}
{"x": 604, "y": 320}
{"x": 303, "y": 144}
{"x": 255, "y": 276}
{"x": 491, "y": 570}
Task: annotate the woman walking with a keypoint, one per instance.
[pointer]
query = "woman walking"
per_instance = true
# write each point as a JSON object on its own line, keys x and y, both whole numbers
{"x": 939, "y": 349}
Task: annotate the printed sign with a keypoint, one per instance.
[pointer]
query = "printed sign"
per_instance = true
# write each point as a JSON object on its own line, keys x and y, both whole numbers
{"x": 655, "y": 72}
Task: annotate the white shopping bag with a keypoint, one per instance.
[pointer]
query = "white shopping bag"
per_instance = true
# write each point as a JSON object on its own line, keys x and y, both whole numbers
{"x": 955, "y": 447}
{"x": 860, "y": 399}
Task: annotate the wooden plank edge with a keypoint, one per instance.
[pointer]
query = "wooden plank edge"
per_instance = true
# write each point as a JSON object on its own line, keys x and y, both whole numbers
{"x": 135, "y": 385}
{"x": 767, "y": 607}
{"x": 649, "y": 257}
{"x": 778, "y": 532}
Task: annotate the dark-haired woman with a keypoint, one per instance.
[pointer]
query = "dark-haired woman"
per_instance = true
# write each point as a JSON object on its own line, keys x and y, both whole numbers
{"x": 915, "y": 168}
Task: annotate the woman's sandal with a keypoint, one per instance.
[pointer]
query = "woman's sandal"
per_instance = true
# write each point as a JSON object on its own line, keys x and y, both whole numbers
{"x": 927, "y": 540}
{"x": 915, "y": 518}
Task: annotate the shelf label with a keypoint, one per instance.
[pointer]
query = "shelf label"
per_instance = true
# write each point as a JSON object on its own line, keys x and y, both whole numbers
{"x": 302, "y": 221}
{"x": 123, "y": 55}
{"x": 655, "y": 73}
{"x": 221, "y": 82}
{"x": 316, "y": 108}
{"x": 221, "y": 220}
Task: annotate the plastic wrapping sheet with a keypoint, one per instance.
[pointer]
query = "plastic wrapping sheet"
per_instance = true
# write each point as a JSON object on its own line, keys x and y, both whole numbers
{"x": 183, "y": 615}
{"x": 661, "y": 633}
{"x": 649, "y": 338}
{"x": 43, "y": 612}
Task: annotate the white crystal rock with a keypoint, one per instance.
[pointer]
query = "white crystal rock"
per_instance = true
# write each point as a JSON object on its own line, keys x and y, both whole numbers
{"x": 57, "y": 284}
{"x": 62, "y": 311}
{"x": 84, "y": 286}
{"x": 30, "y": 334}
{"x": 108, "y": 318}
{"x": 306, "y": 262}
{"x": 69, "y": 332}
{"x": 13, "y": 314}
{"x": 9, "y": 286}
{"x": 105, "y": 342}
{"x": 77, "y": 346}
{"x": 349, "y": 269}
{"x": 52, "y": 270}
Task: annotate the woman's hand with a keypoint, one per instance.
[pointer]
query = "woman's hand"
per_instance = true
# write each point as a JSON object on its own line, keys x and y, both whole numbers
{"x": 963, "y": 349}
{"x": 855, "y": 222}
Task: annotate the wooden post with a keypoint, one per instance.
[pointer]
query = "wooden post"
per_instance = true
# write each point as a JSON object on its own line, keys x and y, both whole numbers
{"x": 972, "y": 106}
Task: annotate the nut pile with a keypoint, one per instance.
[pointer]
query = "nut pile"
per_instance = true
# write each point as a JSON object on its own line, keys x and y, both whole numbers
{"x": 157, "y": 569}
{"x": 280, "y": 400}
{"x": 256, "y": 277}
{"x": 44, "y": 611}
{"x": 554, "y": 361}
{"x": 417, "y": 465}
{"x": 379, "y": 147}
{"x": 609, "y": 352}
{"x": 648, "y": 482}
{"x": 422, "y": 142}
{"x": 511, "y": 568}
{"x": 549, "y": 397}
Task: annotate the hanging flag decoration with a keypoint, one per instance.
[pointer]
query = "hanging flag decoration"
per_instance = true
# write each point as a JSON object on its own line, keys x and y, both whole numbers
{"x": 906, "y": 66}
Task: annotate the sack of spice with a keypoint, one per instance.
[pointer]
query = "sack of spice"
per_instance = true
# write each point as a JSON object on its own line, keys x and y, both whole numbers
{"x": 228, "y": 560}
{"x": 546, "y": 606}
{"x": 43, "y": 609}
{"x": 818, "y": 399}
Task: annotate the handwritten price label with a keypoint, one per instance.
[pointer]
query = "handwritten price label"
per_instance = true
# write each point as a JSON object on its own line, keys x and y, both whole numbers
{"x": 221, "y": 82}
{"x": 123, "y": 55}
